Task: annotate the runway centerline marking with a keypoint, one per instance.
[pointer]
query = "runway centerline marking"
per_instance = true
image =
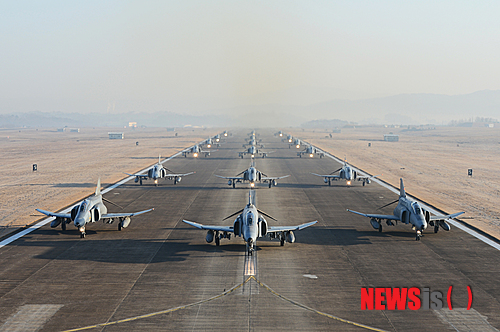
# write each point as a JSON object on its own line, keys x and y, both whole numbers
{"x": 250, "y": 278}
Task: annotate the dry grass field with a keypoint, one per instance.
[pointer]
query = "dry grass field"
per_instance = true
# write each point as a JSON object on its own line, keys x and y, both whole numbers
{"x": 432, "y": 162}
{"x": 69, "y": 164}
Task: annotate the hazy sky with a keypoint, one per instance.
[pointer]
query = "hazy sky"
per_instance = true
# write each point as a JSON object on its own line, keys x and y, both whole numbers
{"x": 226, "y": 50}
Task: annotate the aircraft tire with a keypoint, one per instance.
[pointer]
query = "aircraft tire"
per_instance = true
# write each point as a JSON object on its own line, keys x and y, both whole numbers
{"x": 140, "y": 182}
{"x": 119, "y": 226}
{"x": 282, "y": 242}
{"x": 436, "y": 227}
{"x": 380, "y": 228}
{"x": 63, "y": 225}
{"x": 217, "y": 241}
{"x": 270, "y": 184}
{"x": 82, "y": 235}
{"x": 363, "y": 183}
{"x": 234, "y": 185}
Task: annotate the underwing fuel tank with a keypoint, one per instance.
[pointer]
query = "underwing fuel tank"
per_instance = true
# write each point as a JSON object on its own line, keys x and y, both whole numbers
{"x": 210, "y": 236}
{"x": 179, "y": 179}
{"x": 290, "y": 237}
{"x": 374, "y": 223}
{"x": 125, "y": 222}
{"x": 56, "y": 222}
{"x": 444, "y": 225}
{"x": 229, "y": 182}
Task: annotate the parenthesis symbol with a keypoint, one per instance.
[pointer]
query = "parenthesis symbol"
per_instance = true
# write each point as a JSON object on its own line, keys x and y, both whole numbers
{"x": 449, "y": 298}
{"x": 469, "y": 305}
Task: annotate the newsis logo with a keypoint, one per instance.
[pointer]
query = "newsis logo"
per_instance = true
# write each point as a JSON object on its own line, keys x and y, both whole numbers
{"x": 406, "y": 298}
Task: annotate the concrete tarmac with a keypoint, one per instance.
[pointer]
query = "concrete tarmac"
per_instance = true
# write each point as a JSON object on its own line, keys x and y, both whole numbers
{"x": 52, "y": 280}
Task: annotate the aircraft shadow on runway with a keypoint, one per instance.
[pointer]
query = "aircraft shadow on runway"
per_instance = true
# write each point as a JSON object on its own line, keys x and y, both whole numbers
{"x": 126, "y": 251}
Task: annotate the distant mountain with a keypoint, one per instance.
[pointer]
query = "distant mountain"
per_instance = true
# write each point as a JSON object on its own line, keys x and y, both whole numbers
{"x": 58, "y": 119}
{"x": 411, "y": 108}
{"x": 278, "y": 109}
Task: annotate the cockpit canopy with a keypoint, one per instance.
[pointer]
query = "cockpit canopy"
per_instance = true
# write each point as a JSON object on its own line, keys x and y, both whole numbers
{"x": 250, "y": 218}
{"x": 83, "y": 206}
{"x": 416, "y": 208}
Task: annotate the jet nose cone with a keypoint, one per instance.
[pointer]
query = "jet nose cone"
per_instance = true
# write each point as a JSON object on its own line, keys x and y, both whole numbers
{"x": 79, "y": 222}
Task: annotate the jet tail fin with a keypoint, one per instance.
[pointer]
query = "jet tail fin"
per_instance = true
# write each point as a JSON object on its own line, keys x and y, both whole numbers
{"x": 98, "y": 188}
{"x": 402, "y": 192}
{"x": 159, "y": 157}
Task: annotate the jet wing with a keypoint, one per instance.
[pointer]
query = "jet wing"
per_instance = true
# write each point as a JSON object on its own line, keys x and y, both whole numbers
{"x": 377, "y": 216}
{"x": 449, "y": 216}
{"x": 272, "y": 229}
{"x": 274, "y": 177}
{"x": 361, "y": 178}
{"x": 138, "y": 175}
{"x": 120, "y": 215}
{"x": 327, "y": 176}
{"x": 55, "y": 214}
{"x": 213, "y": 228}
{"x": 178, "y": 175}
{"x": 230, "y": 177}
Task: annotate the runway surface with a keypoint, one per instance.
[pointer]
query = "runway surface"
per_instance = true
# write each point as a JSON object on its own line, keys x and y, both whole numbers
{"x": 160, "y": 274}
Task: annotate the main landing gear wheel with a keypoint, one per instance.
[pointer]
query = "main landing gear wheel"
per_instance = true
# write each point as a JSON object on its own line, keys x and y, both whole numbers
{"x": 270, "y": 184}
{"x": 436, "y": 227}
{"x": 380, "y": 228}
{"x": 217, "y": 240}
{"x": 234, "y": 185}
{"x": 63, "y": 225}
{"x": 282, "y": 242}
{"x": 140, "y": 182}
{"x": 329, "y": 183}
{"x": 82, "y": 235}
{"x": 119, "y": 226}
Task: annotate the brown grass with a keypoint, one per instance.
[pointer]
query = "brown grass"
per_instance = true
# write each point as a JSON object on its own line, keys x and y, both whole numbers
{"x": 69, "y": 164}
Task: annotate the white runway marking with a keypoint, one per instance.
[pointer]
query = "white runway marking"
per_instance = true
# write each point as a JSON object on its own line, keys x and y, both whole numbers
{"x": 30, "y": 317}
{"x": 45, "y": 221}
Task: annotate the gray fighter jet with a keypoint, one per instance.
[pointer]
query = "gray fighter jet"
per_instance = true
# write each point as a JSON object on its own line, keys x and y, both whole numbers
{"x": 409, "y": 212}
{"x": 297, "y": 143}
{"x": 91, "y": 210}
{"x": 346, "y": 173}
{"x": 252, "y": 175}
{"x": 253, "y": 151}
{"x": 311, "y": 151}
{"x": 159, "y": 172}
{"x": 196, "y": 151}
{"x": 251, "y": 225}
{"x": 253, "y": 142}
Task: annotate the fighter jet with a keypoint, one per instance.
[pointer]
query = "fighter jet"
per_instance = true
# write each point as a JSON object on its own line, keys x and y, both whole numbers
{"x": 409, "y": 212}
{"x": 311, "y": 151}
{"x": 251, "y": 225}
{"x": 346, "y": 173}
{"x": 196, "y": 151}
{"x": 224, "y": 133}
{"x": 158, "y": 172}
{"x": 297, "y": 143}
{"x": 252, "y": 175}
{"x": 253, "y": 151}
{"x": 288, "y": 139}
{"x": 90, "y": 210}
{"x": 279, "y": 134}
{"x": 253, "y": 142}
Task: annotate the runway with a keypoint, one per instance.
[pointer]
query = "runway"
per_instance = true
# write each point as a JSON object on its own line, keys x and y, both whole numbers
{"x": 160, "y": 274}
